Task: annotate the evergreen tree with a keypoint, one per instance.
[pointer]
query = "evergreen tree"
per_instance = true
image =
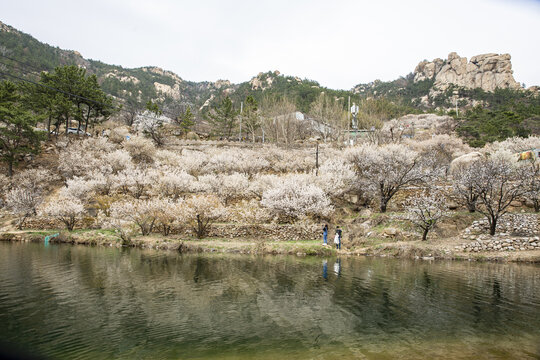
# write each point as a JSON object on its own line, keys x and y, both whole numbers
{"x": 223, "y": 118}
{"x": 17, "y": 134}
{"x": 186, "y": 121}
{"x": 153, "y": 108}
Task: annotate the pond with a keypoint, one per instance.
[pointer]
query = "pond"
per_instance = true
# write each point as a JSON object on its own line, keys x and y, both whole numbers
{"x": 77, "y": 302}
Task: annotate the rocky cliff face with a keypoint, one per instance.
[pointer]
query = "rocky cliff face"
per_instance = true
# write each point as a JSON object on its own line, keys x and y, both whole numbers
{"x": 487, "y": 71}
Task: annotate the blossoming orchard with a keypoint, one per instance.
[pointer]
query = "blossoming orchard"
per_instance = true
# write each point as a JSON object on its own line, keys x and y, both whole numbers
{"x": 130, "y": 185}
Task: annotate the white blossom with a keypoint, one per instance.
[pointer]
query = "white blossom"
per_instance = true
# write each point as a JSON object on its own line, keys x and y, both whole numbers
{"x": 336, "y": 177}
{"x": 202, "y": 211}
{"x": 292, "y": 198}
{"x": 65, "y": 209}
{"x": 23, "y": 202}
{"x": 142, "y": 213}
{"x": 385, "y": 170}
{"x": 425, "y": 209}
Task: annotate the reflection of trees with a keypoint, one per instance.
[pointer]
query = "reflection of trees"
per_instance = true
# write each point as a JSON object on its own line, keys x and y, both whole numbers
{"x": 146, "y": 299}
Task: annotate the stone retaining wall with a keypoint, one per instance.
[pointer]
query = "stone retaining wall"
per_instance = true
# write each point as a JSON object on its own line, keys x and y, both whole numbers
{"x": 515, "y": 232}
{"x": 278, "y": 232}
{"x": 501, "y": 243}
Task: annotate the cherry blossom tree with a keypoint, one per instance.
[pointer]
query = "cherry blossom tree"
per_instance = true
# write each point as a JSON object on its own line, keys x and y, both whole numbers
{"x": 336, "y": 177}
{"x": 515, "y": 144}
{"x": 251, "y": 212}
{"x": 135, "y": 181}
{"x": 173, "y": 183}
{"x": 142, "y": 213}
{"x": 141, "y": 150}
{"x": 193, "y": 162}
{"x": 441, "y": 150}
{"x": 118, "y": 160}
{"x": 202, "y": 211}
{"x": 532, "y": 183}
{"x": 79, "y": 188}
{"x": 24, "y": 192}
{"x": 82, "y": 157}
{"x": 498, "y": 180}
{"x": 385, "y": 170}
{"x": 425, "y": 209}
{"x": 292, "y": 198}
{"x": 170, "y": 213}
{"x": 23, "y": 202}
{"x": 227, "y": 187}
{"x": 464, "y": 180}
{"x": 65, "y": 209}
{"x": 151, "y": 123}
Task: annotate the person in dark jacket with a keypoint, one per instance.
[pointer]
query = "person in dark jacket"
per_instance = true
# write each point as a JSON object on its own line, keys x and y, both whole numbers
{"x": 337, "y": 239}
{"x": 325, "y": 234}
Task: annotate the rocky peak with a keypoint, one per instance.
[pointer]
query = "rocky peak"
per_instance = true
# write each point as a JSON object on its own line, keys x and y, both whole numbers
{"x": 6, "y": 28}
{"x": 263, "y": 81}
{"x": 486, "y": 71}
{"x": 222, "y": 84}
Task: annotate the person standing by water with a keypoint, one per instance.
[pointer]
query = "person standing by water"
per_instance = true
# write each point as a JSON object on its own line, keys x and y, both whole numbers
{"x": 325, "y": 234}
{"x": 337, "y": 238}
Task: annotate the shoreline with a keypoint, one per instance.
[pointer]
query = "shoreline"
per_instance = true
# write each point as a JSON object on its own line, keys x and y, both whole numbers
{"x": 413, "y": 250}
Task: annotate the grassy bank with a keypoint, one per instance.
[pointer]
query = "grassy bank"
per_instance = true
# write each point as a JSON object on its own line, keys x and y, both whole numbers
{"x": 414, "y": 249}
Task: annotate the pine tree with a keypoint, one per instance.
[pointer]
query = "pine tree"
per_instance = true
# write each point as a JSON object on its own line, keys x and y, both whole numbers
{"x": 223, "y": 118}
{"x": 186, "y": 121}
{"x": 17, "y": 134}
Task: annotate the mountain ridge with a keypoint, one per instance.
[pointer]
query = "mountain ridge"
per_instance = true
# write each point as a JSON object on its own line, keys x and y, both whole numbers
{"x": 416, "y": 90}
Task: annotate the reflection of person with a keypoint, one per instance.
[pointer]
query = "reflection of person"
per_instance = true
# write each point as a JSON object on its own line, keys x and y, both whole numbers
{"x": 325, "y": 234}
{"x": 337, "y": 267}
{"x": 325, "y": 269}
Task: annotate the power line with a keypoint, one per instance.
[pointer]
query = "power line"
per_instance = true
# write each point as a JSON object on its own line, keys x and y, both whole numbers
{"x": 55, "y": 89}
{"x": 68, "y": 93}
{"x": 23, "y": 63}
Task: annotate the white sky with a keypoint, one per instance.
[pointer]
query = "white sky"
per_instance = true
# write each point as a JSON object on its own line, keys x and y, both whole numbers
{"x": 338, "y": 43}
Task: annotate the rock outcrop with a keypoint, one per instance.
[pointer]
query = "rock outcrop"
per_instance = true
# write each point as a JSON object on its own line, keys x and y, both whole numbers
{"x": 487, "y": 71}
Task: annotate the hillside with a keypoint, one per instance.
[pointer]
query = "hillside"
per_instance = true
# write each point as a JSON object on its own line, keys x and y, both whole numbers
{"x": 433, "y": 86}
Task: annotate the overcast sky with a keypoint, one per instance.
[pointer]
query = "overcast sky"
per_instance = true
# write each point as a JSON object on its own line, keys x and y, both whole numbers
{"x": 338, "y": 43}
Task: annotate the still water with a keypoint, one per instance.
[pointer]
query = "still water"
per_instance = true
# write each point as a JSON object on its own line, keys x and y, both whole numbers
{"x": 75, "y": 302}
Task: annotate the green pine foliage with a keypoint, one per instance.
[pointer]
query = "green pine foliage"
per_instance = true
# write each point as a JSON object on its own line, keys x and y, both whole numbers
{"x": 18, "y": 136}
{"x": 186, "y": 121}
{"x": 223, "y": 118}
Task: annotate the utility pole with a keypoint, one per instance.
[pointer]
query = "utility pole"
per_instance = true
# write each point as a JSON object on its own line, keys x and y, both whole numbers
{"x": 354, "y": 111}
{"x": 317, "y": 159}
{"x": 349, "y": 122}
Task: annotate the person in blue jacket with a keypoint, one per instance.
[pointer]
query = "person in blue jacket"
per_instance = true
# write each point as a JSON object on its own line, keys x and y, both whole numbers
{"x": 325, "y": 234}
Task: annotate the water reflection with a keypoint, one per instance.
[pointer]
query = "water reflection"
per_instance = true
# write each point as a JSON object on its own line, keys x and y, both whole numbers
{"x": 68, "y": 301}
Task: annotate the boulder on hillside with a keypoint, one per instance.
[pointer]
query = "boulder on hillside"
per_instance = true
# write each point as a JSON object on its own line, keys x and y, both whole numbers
{"x": 465, "y": 160}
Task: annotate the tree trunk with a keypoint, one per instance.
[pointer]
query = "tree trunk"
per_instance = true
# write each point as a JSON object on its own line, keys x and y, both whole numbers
{"x": 492, "y": 226}
{"x": 424, "y": 234}
{"x": 86, "y": 120}
{"x": 200, "y": 227}
{"x": 166, "y": 229}
{"x": 10, "y": 168}
{"x": 21, "y": 223}
{"x": 49, "y": 127}
{"x": 471, "y": 206}
{"x": 384, "y": 203}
